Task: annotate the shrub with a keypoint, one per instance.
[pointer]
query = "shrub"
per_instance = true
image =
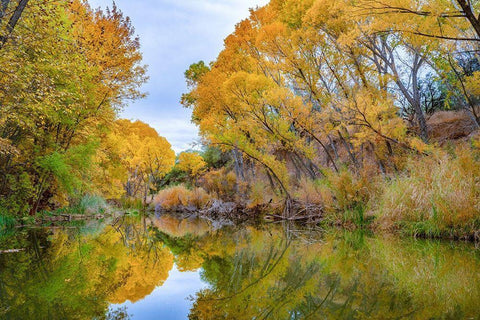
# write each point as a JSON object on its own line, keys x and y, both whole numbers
{"x": 343, "y": 197}
{"x": 6, "y": 220}
{"x": 221, "y": 183}
{"x": 92, "y": 204}
{"x": 347, "y": 195}
{"x": 179, "y": 196}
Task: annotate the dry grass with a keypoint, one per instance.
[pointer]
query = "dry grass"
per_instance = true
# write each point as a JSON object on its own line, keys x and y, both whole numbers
{"x": 179, "y": 196}
{"x": 221, "y": 183}
{"x": 439, "y": 196}
{"x": 310, "y": 193}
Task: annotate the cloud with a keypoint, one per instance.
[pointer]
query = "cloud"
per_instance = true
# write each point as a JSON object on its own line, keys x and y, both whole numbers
{"x": 176, "y": 127}
{"x": 177, "y": 131}
{"x": 173, "y": 35}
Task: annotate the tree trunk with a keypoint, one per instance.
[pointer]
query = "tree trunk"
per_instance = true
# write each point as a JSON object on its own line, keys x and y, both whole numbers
{"x": 13, "y": 20}
{"x": 418, "y": 61}
{"x": 468, "y": 10}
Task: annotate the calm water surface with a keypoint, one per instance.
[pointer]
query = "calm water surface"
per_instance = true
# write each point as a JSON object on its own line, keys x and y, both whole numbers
{"x": 168, "y": 268}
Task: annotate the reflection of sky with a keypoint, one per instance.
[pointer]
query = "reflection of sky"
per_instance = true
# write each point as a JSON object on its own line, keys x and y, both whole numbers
{"x": 173, "y": 35}
{"x": 168, "y": 301}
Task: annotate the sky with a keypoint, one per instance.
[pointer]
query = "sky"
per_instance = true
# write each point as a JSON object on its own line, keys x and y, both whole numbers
{"x": 168, "y": 301}
{"x": 173, "y": 35}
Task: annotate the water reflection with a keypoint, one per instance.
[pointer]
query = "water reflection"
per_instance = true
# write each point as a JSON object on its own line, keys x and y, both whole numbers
{"x": 121, "y": 270}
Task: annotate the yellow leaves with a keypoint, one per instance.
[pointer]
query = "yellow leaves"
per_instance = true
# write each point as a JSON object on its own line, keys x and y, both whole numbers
{"x": 192, "y": 163}
{"x": 142, "y": 148}
{"x": 349, "y": 38}
{"x": 133, "y": 151}
{"x": 108, "y": 43}
{"x": 293, "y": 11}
{"x": 472, "y": 84}
{"x": 314, "y": 77}
{"x": 419, "y": 145}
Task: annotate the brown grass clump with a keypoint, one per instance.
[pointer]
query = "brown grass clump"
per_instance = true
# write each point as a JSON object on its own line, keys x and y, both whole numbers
{"x": 176, "y": 197}
{"x": 310, "y": 192}
{"x": 260, "y": 194}
{"x": 222, "y": 183}
{"x": 439, "y": 196}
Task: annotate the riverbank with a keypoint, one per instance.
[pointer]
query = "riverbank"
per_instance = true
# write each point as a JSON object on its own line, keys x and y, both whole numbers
{"x": 435, "y": 196}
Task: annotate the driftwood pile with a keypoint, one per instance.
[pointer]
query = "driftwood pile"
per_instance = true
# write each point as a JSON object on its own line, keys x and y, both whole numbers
{"x": 218, "y": 210}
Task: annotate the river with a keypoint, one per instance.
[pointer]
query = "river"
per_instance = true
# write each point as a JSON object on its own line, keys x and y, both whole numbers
{"x": 171, "y": 268}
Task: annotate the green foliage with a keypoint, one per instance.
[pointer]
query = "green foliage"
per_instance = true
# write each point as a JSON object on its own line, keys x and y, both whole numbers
{"x": 215, "y": 158}
{"x": 88, "y": 204}
{"x": 174, "y": 178}
{"x": 21, "y": 191}
{"x": 92, "y": 204}
{"x": 6, "y": 221}
{"x": 195, "y": 72}
{"x": 55, "y": 165}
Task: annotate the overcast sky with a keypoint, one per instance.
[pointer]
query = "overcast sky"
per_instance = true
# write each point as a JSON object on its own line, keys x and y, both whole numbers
{"x": 173, "y": 35}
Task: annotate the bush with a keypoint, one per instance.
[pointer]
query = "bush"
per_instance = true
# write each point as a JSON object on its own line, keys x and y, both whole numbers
{"x": 346, "y": 196}
{"x": 179, "y": 196}
{"x": 6, "y": 221}
{"x": 221, "y": 183}
{"x": 87, "y": 205}
{"x": 92, "y": 204}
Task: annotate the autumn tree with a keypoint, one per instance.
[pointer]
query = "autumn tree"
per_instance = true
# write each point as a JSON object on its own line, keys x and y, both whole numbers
{"x": 300, "y": 90}
{"x": 133, "y": 159}
{"x": 192, "y": 163}
{"x": 66, "y": 71}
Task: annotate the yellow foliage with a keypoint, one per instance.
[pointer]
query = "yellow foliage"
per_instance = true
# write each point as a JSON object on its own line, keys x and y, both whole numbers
{"x": 348, "y": 191}
{"x": 131, "y": 157}
{"x": 192, "y": 163}
{"x": 473, "y": 84}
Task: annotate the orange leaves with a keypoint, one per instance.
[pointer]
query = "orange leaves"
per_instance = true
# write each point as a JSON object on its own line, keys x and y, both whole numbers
{"x": 108, "y": 42}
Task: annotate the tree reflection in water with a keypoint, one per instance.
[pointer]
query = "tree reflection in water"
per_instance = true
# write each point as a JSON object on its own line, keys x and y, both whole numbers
{"x": 268, "y": 272}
